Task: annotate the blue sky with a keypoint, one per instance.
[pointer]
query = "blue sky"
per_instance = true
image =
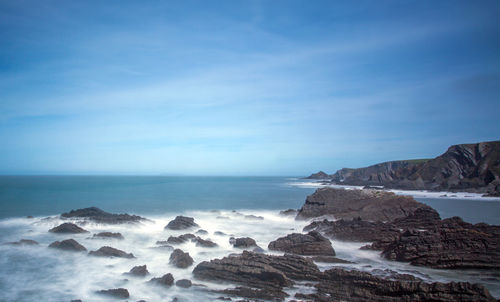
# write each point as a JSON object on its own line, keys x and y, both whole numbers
{"x": 242, "y": 87}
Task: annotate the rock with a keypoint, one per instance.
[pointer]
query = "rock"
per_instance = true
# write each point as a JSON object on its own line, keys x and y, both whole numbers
{"x": 120, "y": 293}
{"x": 244, "y": 242}
{"x": 201, "y": 232}
{"x": 180, "y": 239}
{"x": 23, "y": 242}
{"x": 370, "y": 205}
{"x": 166, "y": 280}
{"x": 185, "y": 283}
{"x": 29, "y": 217}
{"x": 108, "y": 235}
{"x": 219, "y": 233}
{"x": 68, "y": 245}
{"x": 100, "y": 216}
{"x": 139, "y": 271}
{"x": 67, "y": 228}
{"x": 319, "y": 175}
{"x": 205, "y": 243}
{"x": 310, "y": 244}
{"x": 107, "y": 251}
{"x": 253, "y": 217}
{"x": 164, "y": 247}
{"x": 180, "y": 259}
{"x": 330, "y": 259}
{"x": 342, "y": 285}
{"x": 289, "y": 212}
{"x": 253, "y": 293}
{"x": 181, "y": 223}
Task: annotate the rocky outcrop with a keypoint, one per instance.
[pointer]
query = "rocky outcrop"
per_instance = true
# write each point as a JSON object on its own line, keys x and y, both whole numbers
{"x": 106, "y": 235}
{"x": 166, "y": 280}
{"x": 100, "y": 216}
{"x": 23, "y": 242}
{"x": 107, "y": 251}
{"x": 68, "y": 245}
{"x": 139, "y": 271}
{"x": 318, "y": 175}
{"x": 119, "y": 293}
{"x": 465, "y": 167}
{"x": 310, "y": 244}
{"x": 180, "y": 259}
{"x": 184, "y": 283}
{"x": 367, "y": 204}
{"x": 181, "y": 223}
{"x": 205, "y": 243}
{"x": 180, "y": 239}
{"x": 343, "y": 285}
{"x": 67, "y": 228}
{"x": 243, "y": 242}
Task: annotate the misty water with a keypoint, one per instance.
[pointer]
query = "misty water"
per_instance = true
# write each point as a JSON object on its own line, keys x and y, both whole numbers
{"x": 37, "y": 273}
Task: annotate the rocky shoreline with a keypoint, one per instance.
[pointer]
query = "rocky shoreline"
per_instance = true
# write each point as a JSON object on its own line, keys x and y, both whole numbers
{"x": 398, "y": 227}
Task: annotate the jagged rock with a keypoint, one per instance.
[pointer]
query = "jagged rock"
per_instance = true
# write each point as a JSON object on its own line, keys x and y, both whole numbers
{"x": 201, "y": 232}
{"x": 140, "y": 271}
{"x": 120, "y": 293}
{"x": 330, "y": 259}
{"x": 23, "y": 242}
{"x": 370, "y": 205}
{"x": 107, "y": 251}
{"x": 68, "y": 245}
{"x": 310, "y": 244}
{"x": 100, "y": 216}
{"x": 67, "y": 228}
{"x": 166, "y": 280}
{"x": 342, "y": 285}
{"x": 289, "y": 212}
{"x": 185, "y": 283}
{"x": 180, "y": 259}
{"x": 205, "y": 243}
{"x": 180, "y": 239}
{"x": 181, "y": 223}
{"x": 108, "y": 235}
{"x": 243, "y": 242}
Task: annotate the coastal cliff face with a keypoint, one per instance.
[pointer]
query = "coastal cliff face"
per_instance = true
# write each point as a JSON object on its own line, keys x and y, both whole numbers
{"x": 466, "y": 167}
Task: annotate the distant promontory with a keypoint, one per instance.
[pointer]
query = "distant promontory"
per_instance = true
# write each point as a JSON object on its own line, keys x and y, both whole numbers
{"x": 465, "y": 167}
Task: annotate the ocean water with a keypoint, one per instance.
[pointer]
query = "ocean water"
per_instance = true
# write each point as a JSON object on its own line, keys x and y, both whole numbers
{"x": 36, "y": 273}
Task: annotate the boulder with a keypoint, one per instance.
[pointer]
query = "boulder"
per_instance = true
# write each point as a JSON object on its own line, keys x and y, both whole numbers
{"x": 180, "y": 239}
{"x": 243, "y": 242}
{"x": 120, "y": 293}
{"x": 310, "y": 244}
{"x": 185, "y": 283}
{"x": 67, "y": 228}
{"x": 180, "y": 259}
{"x": 201, "y": 232}
{"x": 139, "y": 271}
{"x": 107, "y": 251}
{"x": 68, "y": 245}
{"x": 100, "y": 216}
{"x": 166, "y": 280}
{"x": 205, "y": 243}
{"x": 289, "y": 212}
{"x": 181, "y": 223}
{"x": 106, "y": 235}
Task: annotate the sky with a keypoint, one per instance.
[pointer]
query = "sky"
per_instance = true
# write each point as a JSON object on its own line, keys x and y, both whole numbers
{"x": 242, "y": 87}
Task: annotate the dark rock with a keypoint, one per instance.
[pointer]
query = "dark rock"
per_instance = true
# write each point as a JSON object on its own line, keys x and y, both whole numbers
{"x": 23, "y": 242}
{"x": 68, "y": 245}
{"x": 139, "y": 271}
{"x": 181, "y": 223}
{"x": 319, "y": 175}
{"x": 180, "y": 239}
{"x": 100, "y": 216}
{"x": 166, "y": 280}
{"x": 180, "y": 259}
{"x": 76, "y": 300}
{"x": 330, "y": 259}
{"x": 370, "y": 205}
{"x": 254, "y": 293}
{"x": 29, "y": 217}
{"x": 289, "y": 212}
{"x": 343, "y": 285}
{"x": 244, "y": 242}
{"x": 107, "y": 251}
{"x": 164, "y": 247}
{"x": 205, "y": 243}
{"x": 108, "y": 235}
{"x": 253, "y": 217}
{"x": 185, "y": 283}
{"x": 219, "y": 233}
{"x": 310, "y": 244}
{"x": 68, "y": 228}
{"x": 201, "y": 232}
{"x": 120, "y": 293}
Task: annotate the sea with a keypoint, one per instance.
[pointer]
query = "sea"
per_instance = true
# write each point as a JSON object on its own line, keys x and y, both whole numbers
{"x": 218, "y": 204}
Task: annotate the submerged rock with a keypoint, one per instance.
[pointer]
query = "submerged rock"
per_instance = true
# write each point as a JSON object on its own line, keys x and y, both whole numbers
{"x": 180, "y": 239}
{"x": 100, "y": 216}
{"x": 68, "y": 228}
{"x": 108, "y": 235}
{"x": 181, "y": 223}
{"x": 289, "y": 212}
{"x": 373, "y": 205}
{"x": 310, "y": 244}
{"x": 201, "y": 232}
{"x": 166, "y": 280}
{"x": 205, "y": 243}
{"x": 23, "y": 242}
{"x": 120, "y": 293}
{"x": 68, "y": 245}
{"x": 180, "y": 259}
{"x": 139, "y": 271}
{"x": 185, "y": 283}
{"x": 253, "y": 217}
{"x": 107, "y": 251}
